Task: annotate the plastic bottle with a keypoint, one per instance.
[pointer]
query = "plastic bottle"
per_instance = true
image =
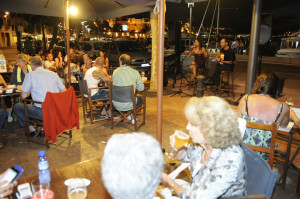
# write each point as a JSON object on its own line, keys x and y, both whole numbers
{"x": 44, "y": 173}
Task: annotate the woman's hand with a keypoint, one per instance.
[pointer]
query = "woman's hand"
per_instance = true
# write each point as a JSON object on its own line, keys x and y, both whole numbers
{"x": 8, "y": 189}
{"x": 180, "y": 154}
{"x": 165, "y": 179}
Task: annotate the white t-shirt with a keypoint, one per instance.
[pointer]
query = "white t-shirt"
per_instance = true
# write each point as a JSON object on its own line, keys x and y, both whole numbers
{"x": 48, "y": 64}
{"x": 91, "y": 81}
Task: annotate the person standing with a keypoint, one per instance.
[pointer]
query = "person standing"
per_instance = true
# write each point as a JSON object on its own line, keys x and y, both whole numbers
{"x": 103, "y": 55}
{"x": 235, "y": 45}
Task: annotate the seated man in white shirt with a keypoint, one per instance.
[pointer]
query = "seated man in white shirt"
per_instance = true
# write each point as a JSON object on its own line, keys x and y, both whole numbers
{"x": 49, "y": 63}
{"x": 93, "y": 76}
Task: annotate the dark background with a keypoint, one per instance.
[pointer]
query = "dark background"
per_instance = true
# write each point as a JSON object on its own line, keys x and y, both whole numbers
{"x": 237, "y": 14}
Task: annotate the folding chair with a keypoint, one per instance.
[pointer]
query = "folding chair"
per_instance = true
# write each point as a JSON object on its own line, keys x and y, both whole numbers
{"x": 93, "y": 107}
{"x": 266, "y": 127}
{"x": 126, "y": 94}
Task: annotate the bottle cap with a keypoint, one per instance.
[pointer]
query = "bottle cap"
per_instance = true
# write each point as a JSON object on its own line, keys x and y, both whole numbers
{"x": 42, "y": 153}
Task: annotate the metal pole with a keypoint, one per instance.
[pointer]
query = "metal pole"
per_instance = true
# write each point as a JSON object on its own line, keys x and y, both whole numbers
{"x": 252, "y": 62}
{"x": 218, "y": 18}
{"x": 161, "y": 37}
{"x": 68, "y": 42}
{"x": 190, "y": 5}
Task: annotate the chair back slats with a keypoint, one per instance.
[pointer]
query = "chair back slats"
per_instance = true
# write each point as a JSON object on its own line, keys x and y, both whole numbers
{"x": 266, "y": 127}
{"x": 126, "y": 94}
{"x": 121, "y": 93}
{"x": 83, "y": 86}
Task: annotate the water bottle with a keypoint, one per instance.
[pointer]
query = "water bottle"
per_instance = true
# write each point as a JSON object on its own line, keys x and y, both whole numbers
{"x": 44, "y": 173}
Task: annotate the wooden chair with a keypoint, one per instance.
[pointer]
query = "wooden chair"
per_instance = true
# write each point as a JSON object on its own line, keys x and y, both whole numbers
{"x": 126, "y": 94}
{"x": 267, "y": 127}
{"x": 111, "y": 69}
{"x": 229, "y": 84}
{"x": 284, "y": 156}
{"x": 38, "y": 123}
{"x": 93, "y": 107}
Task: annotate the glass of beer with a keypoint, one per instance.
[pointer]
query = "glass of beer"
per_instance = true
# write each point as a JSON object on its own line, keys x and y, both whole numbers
{"x": 77, "y": 189}
{"x": 290, "y": 102}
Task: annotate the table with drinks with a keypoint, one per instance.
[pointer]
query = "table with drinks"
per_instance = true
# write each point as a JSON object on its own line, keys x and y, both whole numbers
{"x": 89, "y": 169}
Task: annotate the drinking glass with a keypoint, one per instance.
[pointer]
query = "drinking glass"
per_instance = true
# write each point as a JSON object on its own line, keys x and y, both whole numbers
{"x": 41, "y": 191}
{"x": 290, "y": 101}
{"x": 77, "y": 189}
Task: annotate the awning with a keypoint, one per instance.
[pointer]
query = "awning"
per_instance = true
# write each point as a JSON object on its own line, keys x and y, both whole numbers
{"x": 87, "y": 9}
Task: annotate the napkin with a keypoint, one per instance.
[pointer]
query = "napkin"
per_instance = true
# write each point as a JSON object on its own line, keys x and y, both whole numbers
{"x": 177, "y": 171}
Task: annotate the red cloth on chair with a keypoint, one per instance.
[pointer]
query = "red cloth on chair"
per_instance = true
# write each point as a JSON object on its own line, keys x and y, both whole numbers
{"x": 60, "y": 113}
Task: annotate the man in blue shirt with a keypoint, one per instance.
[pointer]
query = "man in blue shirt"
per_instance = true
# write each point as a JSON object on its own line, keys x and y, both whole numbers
{"x": 38, "y": 83}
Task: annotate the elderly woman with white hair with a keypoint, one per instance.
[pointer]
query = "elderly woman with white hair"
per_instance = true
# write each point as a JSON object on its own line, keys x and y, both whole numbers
{"x": 131, "y": 166}
{"x": 217, "y": 160}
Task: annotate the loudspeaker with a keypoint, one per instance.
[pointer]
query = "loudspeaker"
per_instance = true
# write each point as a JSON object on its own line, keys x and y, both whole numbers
{"x": 265, "y": 28}
{"x": 177, "y": 29}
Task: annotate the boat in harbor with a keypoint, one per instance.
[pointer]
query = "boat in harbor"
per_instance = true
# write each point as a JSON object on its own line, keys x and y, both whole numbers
{"x": 289, "y": 47}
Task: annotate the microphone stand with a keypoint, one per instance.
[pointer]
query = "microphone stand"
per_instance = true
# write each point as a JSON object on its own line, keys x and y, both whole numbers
{"x": 182, "y": 76}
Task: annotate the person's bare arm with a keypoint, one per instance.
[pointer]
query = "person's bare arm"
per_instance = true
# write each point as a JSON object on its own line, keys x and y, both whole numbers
{"x": 166, "y": 180}
{"x": 24, "y": 95}
{"x": 286, "y": 115}
{"x": 294, "y": 117}
{"x": 226, "y": 62}
{"x": 101, "y": 74}
{"x": 241, "y": 107}
{"x": 53, "y": 68}
{"x": 106, "y": 63}
{"x": 2, "y": 81}
{"x": 191, "y": 52}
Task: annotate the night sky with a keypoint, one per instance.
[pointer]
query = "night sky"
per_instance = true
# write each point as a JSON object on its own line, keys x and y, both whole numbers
{"x": 237, "y": 14}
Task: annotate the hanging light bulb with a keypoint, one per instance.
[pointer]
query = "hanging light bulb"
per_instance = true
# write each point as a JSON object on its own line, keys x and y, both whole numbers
{"x": 73, "y": 10}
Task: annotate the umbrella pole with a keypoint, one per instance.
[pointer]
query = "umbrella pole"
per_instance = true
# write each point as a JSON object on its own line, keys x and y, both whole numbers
{"x": 253, "y": 50}
{"x": 161, "y": 19}
{"x": 68, "y": 42}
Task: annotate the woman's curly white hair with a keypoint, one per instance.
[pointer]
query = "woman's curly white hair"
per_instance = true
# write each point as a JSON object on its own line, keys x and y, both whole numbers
{"x": 217, "y": 121}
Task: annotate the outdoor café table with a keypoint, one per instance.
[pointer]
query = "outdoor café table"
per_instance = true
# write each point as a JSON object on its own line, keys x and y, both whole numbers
{"x": 89, "y": 169}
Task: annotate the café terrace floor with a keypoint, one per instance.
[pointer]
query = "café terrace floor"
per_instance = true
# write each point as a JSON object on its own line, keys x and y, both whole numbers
{"x": 86, "y": 143}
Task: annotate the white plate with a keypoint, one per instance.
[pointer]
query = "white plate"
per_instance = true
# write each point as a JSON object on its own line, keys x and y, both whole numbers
{"x": 86, "y": 181}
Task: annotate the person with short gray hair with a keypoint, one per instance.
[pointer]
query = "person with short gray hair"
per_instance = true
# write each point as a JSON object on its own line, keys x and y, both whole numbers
{"x": 37, "y": 82}
{"x": 131, "y": 166}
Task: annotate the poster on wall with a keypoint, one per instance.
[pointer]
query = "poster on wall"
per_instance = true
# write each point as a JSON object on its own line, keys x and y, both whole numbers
{"x": 3, "y": 68}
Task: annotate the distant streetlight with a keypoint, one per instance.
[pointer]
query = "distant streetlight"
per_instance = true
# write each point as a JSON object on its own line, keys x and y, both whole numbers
{"x": 73, "y": 10}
